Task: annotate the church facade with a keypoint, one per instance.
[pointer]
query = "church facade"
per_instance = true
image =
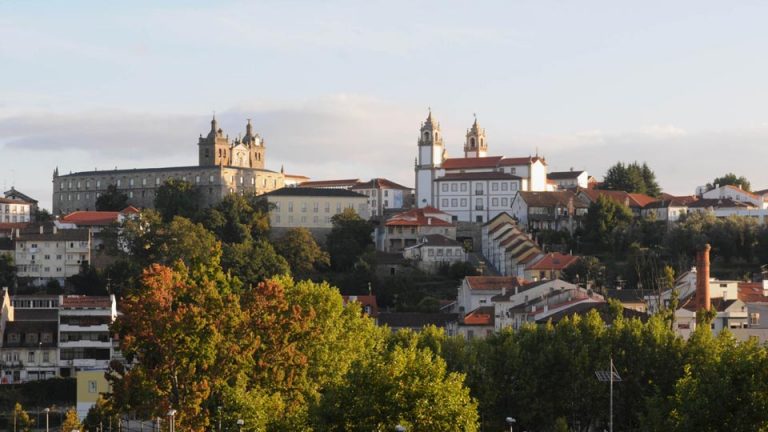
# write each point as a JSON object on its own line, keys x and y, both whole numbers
{"x": 475, "y": 187}
{"x": 224, "y": 167}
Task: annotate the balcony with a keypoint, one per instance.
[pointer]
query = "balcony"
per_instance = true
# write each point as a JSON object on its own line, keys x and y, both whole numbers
{"x": 479, "y": 192}
{"x": 478, "y": 207}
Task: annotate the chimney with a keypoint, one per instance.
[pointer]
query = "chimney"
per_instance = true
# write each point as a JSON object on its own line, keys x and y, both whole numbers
{"x": 702, "y": 278}
{"x": 41, "y": 229}
{"x": 503, "y": 291}
{"x": 429, "y": 221}
{"x": 54, "y": 230}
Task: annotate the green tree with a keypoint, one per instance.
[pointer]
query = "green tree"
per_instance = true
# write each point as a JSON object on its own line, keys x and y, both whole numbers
{"x": 238, "y": 218}
{"x": 605, "y": 219}
{"x": 42, "y": 215}
{"x": 99, "y": 415}
{"x": 178, "y": 198}
{"x": 253, "y": 261}
{"x": 349, "y": 239}
{"x": 7, "y": 271}
{"x": 731, "y": 179}
{"x": 633, "y": 178}
{"x": 112, "y": 200}
{"x": 302, "y": 252}
{"x": 586, "y": 270}
{"x": 21, "y": 421}
{"x": 71, "y": 421}
{"x": 408, "y": 385}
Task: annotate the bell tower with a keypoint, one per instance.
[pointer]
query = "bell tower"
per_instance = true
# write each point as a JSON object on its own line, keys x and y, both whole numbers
{"x": 430, "y": 159}
{"x": 255, "y": 146}
{"x": 476, "y": 145}
{"x": 214, "y": 148}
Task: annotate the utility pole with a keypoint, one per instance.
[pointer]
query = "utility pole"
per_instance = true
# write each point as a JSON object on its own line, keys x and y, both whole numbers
{"x": 610, "y": 376}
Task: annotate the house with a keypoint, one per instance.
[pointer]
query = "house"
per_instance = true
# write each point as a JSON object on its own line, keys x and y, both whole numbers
{"x": 91, "y": 384}
{"x": 569, "y": 179}
{"x": 506, "y": 247}
{"x": 16, "y": 195}
{"x": 635, "y": 201}
{"x": 312, "y": 208}
{"x": 435, "y": 250}
{"x": 97, "y": 222}
{"x": 477, "y": 291}
{"x": 330, "y": 184}
{"x": 407, "y": 228}
{"x": 669, "y": 208}
{"x": 84, "y": 337}
{"x": 584, "y": 307}
{"x": 629, "y": 298}
{"x": 384, "y": 194}
{"x": 561, "y": 210}
{"x": 45, "y": 253}
{"x": 477, "y": 323}
{"x": 734, "y": 193}
{"x": 15, "y": 211}
{"x": 521, "y": 304}
{"x": 475, "y": 187}
{"x": 367, "y": 304}
{"x": 550, "y": 266}
{"x": 726, "y": 207}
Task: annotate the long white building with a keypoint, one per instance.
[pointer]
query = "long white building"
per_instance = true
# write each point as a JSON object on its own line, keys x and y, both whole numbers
{"x": 476, "y": 187}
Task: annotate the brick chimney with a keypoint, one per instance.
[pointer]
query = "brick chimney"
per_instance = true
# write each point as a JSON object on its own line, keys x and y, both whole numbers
{"x": 702, "y": 278}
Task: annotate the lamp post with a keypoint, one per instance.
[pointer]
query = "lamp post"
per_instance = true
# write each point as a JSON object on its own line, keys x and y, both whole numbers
{"x": 46, "y": 411}
{"x": 171, "y": 420}
{"x": 511, "y": 423}
{"x": 218, "y": 410}
{"x": 240, "y": 424}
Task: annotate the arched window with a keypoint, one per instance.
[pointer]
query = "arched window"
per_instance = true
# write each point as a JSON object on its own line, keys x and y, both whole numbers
{"x": 426, "y": 135}
{"x": 472, "y": 142}
{"x": 206, "y": 152}
{"x": 481, "y": 142}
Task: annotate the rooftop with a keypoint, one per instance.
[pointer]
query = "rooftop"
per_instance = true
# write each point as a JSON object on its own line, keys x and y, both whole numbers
{"x": 493, "y": 283}
{"x": 314, "y": 192}
{"x": 482, "y": 316}
{"x": 380, "y": 183}
{"x": 415, "y": 320}
{"x": 86, "y": 302}
{"x": 425, "y": 216}
{"x": 553, "y": 261}
{"x": 348, "y": 183}
{"x": 564, "y": 175}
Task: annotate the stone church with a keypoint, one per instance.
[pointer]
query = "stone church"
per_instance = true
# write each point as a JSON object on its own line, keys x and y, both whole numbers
{"x": 224, "y": 166}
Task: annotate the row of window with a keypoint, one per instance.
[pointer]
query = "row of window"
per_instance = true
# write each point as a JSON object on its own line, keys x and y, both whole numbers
{"x": 448, "y": 252}
{"x": 30, "y": 337}
{"x": 303, "y": 219}
{"x": 34, "y": 246}
{"x": 479, "y": 187}
{"x": 316, "y": 207}
{"x": 12, "y": 208}
{"x": 479, "y": 203}
{"x": 15, "y": 218}
{"x": 14, "y": 357}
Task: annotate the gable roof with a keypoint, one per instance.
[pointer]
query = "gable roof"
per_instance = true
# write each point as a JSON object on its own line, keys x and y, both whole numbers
{"x": 314, "y": 192}
{"x": 550, "y": 199}
{"x": 553, "y": 261}
{"x": 481, "y": 162}
{"x": 564, "y": 175}
{"x": 424, "y": 216}
{"x": 633, "y": 200}
{"x": 752, "y": 292}
{"x": 364, "y": 300}
{"x": 478, "y": 176}
{"x": 440, "y": 240}
{"x": 522, "y": 161}
{"x": 343, "y": 183}
{"x": 720, "y": 203}
{"x": 672, "y": 201}
{"x": 492, "y": 283}
{"x": 379, "y": 183}
{"x": 14, "y": 194}
{"x": 581, "y": 308}
{"x": 482, "y": 316}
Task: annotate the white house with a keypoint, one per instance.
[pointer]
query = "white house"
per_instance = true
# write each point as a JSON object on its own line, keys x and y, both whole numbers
{"x": 14, "y": 210}
{"x": 477, "y": 291}
{"x": 735, "y": 193}
{"x": 508, "y": 248}
{"x": 383, "y": 195}
{"x": 48, "y": 253}
{"x": 434, "y": 250}
{"x": 569, "y": 179}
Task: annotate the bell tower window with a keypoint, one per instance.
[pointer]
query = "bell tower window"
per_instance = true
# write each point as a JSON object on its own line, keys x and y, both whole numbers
{"x": 472, "y": 142}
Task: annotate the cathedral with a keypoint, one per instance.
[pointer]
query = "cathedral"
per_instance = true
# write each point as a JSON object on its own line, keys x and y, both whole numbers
{"x": 224, "y": 166}
{"x": 476, "y": 187}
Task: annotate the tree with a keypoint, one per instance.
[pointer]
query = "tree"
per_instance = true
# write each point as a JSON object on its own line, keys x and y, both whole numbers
{"x": 730, "y": 179}
{"x": 178, "y": 198}
{"x": 605, "y": 219}
{"x": 99, "y": 415}
{"x": 302, "y": 252}
{"x": 71, "y": 421}
{"x": 7, "y": 271}
{"x": 21, "y": 422}
{"x": 253, "y": 261}
{"x": 112, "y": 200}
{"x": 633, "y": 178}
{"x": 238, "y": 218}
{"x": 42, "y": 215}
{"x": 408, "y": 385}
{"x": 349, "y": 238}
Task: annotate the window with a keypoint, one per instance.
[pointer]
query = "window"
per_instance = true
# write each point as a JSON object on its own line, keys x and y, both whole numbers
{"x": 315, "y": 207}
{"x": 46, "y": 357}
{"x": 31, "y": 357}
{"x": 277, "y": 218}
{"x": 327, "y": 207}
{"x": 197, "y": 179}
{"x": 504, "y": 186}
{"x": 463, "y": 187}
{"x": 210, "y": 179}
{"x": 454, "y": 187}
{"x": 449, "y": 252}
{"x": 504, "y": 202}
{"x": 130, "y": 182}
{"x": 445, "y": 202}
{"x": 754, "y": 318}
{"x": 119, "y": 182}
{"x": 445, "y": 187}
{"x": 303, "y": 207}
{"x": 478, "y": 188}
{"x": 290, "y": 206}
{"x": 494, "y": 186}
{"x": 430, "y": 252}
{"x": 478, "y": 204}
{"x": 440, "y": 252}
{"x": 157, "y": 181}
{"x": 454, "y": 202}
{"x": 92, "y": 388}
{"x": 463, "y": 202}
{"x": 303, "y": 219}
{"x": 495, "y": 202}
{"x": 514, "y": 186}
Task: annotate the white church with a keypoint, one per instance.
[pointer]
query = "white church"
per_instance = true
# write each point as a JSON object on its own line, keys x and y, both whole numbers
{"x": 476, "y": 187}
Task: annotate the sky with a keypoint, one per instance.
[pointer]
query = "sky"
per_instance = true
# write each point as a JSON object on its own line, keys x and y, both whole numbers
{"x": 338, "y": 89}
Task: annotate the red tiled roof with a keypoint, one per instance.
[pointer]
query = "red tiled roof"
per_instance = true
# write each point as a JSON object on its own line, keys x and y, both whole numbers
{"x": 478, "y": 176}
{"x": 91, "y": 217}
{"x": 738, "y": 189}
{"x": 493, "y": 282}
{"x": 482, "y": 316}
{"x": 752, "y": 292}
{"x": 641, "y": 200}
{"x": 12, "y": 201}
{"x": 75, "y": 301}
{"x": 553, "y": 261}
{"x": 521, "y": 161}
{"x": 130, "y": 210}
{"x": 330, "y": 183}
{"x": 630, "y": 199}
{"x": 483, "y": 162}
{"x": 13, "y": 225}
{"x": 379, "y": 183}
{"x": 364, "y": 300}
{"x": 425, "y": 216}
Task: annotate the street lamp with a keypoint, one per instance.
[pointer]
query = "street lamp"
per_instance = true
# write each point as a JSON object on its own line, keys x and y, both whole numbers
{"x": 218, "y": 410}
{"x": 240, "y": 424}
{"x": 399, "y": 428}
{"x": 172, "y": 420}
{"x": 46, "y": 411}
{"x": 511, "y": 423}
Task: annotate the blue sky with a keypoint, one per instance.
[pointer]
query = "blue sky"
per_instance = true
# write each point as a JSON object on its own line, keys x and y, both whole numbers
{"x": 338, "y": 89}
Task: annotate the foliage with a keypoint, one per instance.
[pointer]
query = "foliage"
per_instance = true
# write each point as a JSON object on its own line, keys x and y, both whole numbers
{"x": 21, "y": 422}
{"x": 87, "y": 282}
{"x": 349, "y": 239}
{"x": 407, "y": 385}
{"x": 71, "y": 421}
{"x": 605, "y": 221}
{"x": 253, "y": 261}
{"x": 730, "y": 179}
{"x": 112, "y": 200}
{"x": 587, "y": 270}
{"x": 42, "y": 215}
{"x": 178, "y": 198}
{"x": 99, "y": 415}
{"x": 302, "y": 252}
{"x": 7, "y": 271}
{"x": 633, "y": 178}
{"x": 238, "y": 218}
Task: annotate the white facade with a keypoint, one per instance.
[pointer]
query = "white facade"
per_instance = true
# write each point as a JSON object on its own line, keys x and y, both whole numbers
{"x": 14, "y": 211}
{"x": 476, "y": 197}
{"x": 737, "y": 194}
{"x": 84, "y": 338}
{"x": 52, "y": 254}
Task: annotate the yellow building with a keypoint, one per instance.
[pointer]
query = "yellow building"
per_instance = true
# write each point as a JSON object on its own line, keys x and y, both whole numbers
{"x": 312, "y": 208}
{"x": 90, "y": 385}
